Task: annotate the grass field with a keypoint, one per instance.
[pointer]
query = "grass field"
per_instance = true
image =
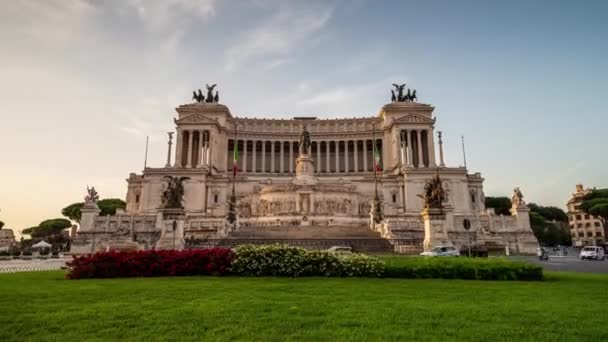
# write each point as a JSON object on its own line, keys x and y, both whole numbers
{"x": 45, "y": 306}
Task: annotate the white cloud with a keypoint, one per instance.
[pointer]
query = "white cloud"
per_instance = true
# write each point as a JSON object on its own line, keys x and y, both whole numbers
{"x": 330, "y": 97}
{"x": 276, "y": 63}
{"x": 351, "y": 98}
{"x": 161, "y": 14}
{"x": 276, "y": 37}
{"x": 52, "y": 23}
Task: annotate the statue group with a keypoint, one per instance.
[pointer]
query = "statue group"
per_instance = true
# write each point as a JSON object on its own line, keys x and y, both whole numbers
{"x": 173, "y": 193}
{"x": 518, "y": 198}
{"x": 92, "y": 195}
{"x": 200, "y": 98}
{"x": 410, "y": 96}
{"x": 433, "y": 195}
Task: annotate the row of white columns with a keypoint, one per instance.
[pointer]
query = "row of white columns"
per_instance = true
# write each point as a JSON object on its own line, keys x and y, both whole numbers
{"x": 321, "y": 165}
{"x": 187, "y": 154}
{"x": 414, "y": 151}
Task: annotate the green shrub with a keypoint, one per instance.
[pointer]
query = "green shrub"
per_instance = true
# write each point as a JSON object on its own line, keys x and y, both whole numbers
{"x": 461, "y": 268}
{"x": 5, "y": 253}
{"x": 278, "y": 260}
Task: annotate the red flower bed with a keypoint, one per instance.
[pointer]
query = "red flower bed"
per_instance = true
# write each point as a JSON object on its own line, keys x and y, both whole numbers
{"x": 214, "y": 261}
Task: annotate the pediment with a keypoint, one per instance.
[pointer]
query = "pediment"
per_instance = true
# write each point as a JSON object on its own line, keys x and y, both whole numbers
{"x": 414, "y": 118}
{"x": 195, "y": 119}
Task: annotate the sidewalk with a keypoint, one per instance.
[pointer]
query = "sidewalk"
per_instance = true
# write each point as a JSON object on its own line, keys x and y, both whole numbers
{"x": 18, "y": 265}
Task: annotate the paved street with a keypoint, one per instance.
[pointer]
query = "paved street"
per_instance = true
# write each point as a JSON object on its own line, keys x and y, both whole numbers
{"x": 570, "y": 263}
{"x": 9, "y": 266}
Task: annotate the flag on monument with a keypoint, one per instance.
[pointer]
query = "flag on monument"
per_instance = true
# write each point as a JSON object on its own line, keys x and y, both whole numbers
{"x": 377, "y": 167}
{"x": 235, "y": 167}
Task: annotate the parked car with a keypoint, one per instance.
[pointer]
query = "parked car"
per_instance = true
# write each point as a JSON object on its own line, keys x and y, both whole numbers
{"x": 442, "y": 251}
{"x": 592, "y": 252}
{"x": 340, "y": 249}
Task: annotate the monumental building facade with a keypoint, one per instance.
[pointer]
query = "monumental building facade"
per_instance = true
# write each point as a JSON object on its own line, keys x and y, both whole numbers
{"x": 254, "y": 180}
{"x": 585, "y": 229}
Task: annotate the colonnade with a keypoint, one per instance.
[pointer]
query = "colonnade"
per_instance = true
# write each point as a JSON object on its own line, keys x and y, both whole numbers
{"x": 193, "y": 148}
{"x": 416, "y": 148}
{"x": 329, "y": 156}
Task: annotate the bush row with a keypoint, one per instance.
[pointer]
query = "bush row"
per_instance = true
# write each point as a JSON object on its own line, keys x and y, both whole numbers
{"x": 277, "y": 260}
{"x": 461, "y": 268}
{"x": 215, "y": 261}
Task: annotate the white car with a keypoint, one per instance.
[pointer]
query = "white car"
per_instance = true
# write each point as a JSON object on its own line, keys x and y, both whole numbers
{"x": 340, "y": 249}
{"x": 442, "y": 251}
{"x": 592, "y": 252}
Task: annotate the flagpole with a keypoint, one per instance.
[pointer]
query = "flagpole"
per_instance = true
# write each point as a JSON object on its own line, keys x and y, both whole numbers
{"x": 375, "y": 163}
{"x": 376, "y": 209}
{"x": 232, "y": 202}
{"x": 236, "y": 146}
{"x": 146, "y": 154}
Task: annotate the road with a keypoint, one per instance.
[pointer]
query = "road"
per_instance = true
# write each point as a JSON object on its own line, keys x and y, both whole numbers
{"x": 570, "y": 263}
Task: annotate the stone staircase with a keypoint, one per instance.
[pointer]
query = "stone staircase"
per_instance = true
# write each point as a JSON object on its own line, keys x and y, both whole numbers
{"x": 360, "y": 238}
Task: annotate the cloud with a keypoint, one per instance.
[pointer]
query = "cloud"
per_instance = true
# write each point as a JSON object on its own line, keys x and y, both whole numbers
{"x": 330, "y": 97}
{"x": 351, "y": 98}
{"x": 53, "y": 22}
{"x": 276, "y": 38}
{"x": 276, "y": 63}
{"x": 161, "y": 14}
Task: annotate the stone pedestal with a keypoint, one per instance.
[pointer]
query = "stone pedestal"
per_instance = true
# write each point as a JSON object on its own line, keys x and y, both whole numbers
{"x": 305, "y": 170}
{"x": 172, "y": 229}
{"x": 435, "y": 230}
{"x": 89, "y": 212}
{"x": 526, "y": 241}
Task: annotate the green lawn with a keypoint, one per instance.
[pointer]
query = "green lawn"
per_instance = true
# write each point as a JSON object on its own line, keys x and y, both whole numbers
{"x": 43, "y": 305}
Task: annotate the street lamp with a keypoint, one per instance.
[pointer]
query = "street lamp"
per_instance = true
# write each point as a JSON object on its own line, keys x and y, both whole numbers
{"x": 174, "y": 229}
{"x": 467, "y": 225}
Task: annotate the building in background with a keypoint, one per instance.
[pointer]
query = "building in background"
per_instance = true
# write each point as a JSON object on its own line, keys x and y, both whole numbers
{"x": 585, "y": 229}
{"x": 7, "y": 238}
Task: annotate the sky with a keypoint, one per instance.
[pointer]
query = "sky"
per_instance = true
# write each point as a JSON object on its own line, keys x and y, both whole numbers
{"x": 82, "y": 83}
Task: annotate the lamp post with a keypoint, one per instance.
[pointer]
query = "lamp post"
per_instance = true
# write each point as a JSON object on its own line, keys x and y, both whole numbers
{"x": 232, "y": 201}
{"x": 174, "y": 229}
{"x": 93, "y": 242}
{"x": 467, "y": 225}
{"x": 376, "y": 210}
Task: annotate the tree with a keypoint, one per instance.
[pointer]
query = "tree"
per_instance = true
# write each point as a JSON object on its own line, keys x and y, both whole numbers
{"x": 595, "y": 203}
{"x": 28, "y": 231}
{"x": 48, "y": 228}
{"x": 549, "y": 213}
{"x": 549, "y": 232}
{"x": 72, "y": 211}
{"x": 501, "y": 205}
{"x": 107, "y": 206}
{"x": 1, "y": 224}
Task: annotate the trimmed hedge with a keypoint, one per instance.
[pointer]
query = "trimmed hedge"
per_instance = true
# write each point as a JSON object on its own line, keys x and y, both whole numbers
{"x": 213, "y": 261}
{"x": 461, "y": 268}
{"x": 279, "y": 260}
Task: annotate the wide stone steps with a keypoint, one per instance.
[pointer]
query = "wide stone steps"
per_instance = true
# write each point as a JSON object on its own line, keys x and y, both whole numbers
{"x": 369, "y": 245}
{"x": 312, "y": 232}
